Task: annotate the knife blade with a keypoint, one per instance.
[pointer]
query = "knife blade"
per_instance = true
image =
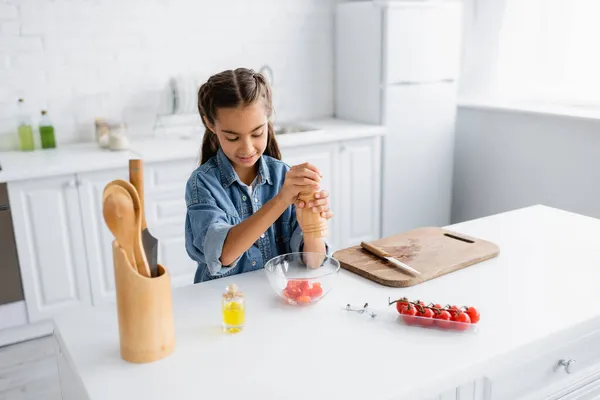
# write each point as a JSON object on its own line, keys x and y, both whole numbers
{"x": 149, "y": 242}
{"x": 387, "y": 256}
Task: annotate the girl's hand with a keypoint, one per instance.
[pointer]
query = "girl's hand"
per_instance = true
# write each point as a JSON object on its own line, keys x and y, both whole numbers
{"x": 319, "y": 205}
{"x": 302, "y": 177}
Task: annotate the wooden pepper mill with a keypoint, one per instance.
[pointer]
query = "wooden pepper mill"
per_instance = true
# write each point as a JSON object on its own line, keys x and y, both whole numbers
{"x": 313, "y": 225}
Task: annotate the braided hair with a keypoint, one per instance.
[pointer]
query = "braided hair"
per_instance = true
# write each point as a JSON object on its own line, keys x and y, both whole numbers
{"x": 228, "y": 89}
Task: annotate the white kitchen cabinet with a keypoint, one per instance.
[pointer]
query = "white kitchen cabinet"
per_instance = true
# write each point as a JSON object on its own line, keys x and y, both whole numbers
{"x": 50, "y": 241}
{"x": 164, "y": 186}
{"x": 358, "y": 191}
{"x": 98, "y": 238}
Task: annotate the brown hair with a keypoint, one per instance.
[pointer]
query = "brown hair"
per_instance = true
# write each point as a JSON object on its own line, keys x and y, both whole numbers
{"x": 228, "y": 89}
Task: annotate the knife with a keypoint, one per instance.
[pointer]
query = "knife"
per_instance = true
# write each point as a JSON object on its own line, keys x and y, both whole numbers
{"x": 149, "y": 242}
{"x": 387, "y": 256}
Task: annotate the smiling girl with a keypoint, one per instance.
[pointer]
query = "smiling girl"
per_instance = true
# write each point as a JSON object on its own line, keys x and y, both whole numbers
{"x": 242, "y": 206}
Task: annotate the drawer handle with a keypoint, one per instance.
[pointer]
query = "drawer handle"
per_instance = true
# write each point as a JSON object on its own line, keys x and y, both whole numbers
{"x": 568, "y": 364}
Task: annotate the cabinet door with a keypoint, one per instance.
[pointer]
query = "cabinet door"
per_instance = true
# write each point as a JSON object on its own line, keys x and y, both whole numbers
{"x": 98, "y": 238}
{"x": 423, "y": 42}
{"x": 418, "y": 157}
{"x": 165, "y": 214}
{"x": 326, "y": 158}
{"x": 51, "y": 246}
{"x": 359, "y": 191}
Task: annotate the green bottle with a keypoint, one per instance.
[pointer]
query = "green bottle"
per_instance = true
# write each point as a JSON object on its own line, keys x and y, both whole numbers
{"x": 46, "y": 132}
{"x": 25, "y": 130}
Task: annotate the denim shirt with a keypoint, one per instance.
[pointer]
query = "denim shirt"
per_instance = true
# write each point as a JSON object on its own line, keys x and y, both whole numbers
{"x": 217, "y": 200}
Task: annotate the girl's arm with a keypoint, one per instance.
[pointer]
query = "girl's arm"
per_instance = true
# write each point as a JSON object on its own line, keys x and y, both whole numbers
{"x": 243, "y": 235}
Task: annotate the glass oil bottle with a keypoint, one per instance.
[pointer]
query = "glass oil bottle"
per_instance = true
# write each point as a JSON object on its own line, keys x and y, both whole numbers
{"x": 234, "y": 309}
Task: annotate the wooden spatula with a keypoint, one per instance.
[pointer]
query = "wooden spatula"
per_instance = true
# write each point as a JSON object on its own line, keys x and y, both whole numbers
{"x": 141, "y": 262}
{"x": 150, "y": 243}
{"x": 119, "y": 215}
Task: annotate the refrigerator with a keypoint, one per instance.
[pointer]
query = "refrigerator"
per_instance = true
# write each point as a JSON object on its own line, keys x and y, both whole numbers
{"x": 397, "y": 64}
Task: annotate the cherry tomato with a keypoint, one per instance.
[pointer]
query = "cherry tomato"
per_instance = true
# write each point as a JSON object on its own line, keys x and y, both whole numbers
{"x": 443, "y": 319}
{"x": 426, "y": 315}
{"x": 316, "y": 291}
{"x": 473, "y": 314}
{"x": 400, "y": 304}
{"x": 294, "y": 292}
{"x": 408, "y": 313}
{"x": 464, "y": 320}
{"x": 438, "y": 306}
{"x": 303, "y": 299}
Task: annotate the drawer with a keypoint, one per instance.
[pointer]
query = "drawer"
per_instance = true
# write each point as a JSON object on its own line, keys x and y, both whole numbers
{"x": 423, "y": 43}
{"x": 543, "y": 370}
{"x": 165, "y": 208}
{"x": 168, "y": 176}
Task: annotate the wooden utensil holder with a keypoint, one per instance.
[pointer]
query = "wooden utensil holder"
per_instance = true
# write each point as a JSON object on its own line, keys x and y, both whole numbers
{"x": 145, "y": 311}
{"x": 313, "y": 225}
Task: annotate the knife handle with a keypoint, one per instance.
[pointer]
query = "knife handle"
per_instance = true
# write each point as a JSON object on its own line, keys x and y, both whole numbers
{"x": 136, "y": 177}
{"x": 374, "y": 249}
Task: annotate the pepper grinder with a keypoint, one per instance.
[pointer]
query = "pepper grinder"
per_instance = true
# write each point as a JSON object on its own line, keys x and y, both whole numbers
{"x": 313, "y": 225}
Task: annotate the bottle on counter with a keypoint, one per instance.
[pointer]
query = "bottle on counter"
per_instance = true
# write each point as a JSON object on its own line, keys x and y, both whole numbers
{"x": 25, "y": 130}
{"x": 234, "y": 309}
{"x": 46, "y": 132}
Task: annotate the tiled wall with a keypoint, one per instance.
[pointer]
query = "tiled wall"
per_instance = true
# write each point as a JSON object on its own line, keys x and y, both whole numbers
{"x": 82, "y": 59}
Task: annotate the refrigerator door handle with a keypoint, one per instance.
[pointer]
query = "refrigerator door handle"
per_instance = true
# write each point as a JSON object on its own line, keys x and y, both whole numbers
{"x": 414, "y": 83}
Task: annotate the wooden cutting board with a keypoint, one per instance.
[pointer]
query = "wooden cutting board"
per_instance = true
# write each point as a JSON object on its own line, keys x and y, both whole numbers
{"x": 432, "y": 251}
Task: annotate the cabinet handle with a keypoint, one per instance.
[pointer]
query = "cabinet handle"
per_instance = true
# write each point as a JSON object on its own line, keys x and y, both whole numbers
{"x": 568, "y": 364}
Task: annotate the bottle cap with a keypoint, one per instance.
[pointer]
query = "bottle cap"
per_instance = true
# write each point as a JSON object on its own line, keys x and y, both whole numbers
{"x": 232, "y": 291}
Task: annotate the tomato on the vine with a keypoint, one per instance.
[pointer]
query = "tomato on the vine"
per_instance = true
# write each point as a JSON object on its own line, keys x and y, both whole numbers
{"x": 408, "y": 312}
{"x": 473, "y": 314}
{"x": 426, "y": 315}
{"x": 400, "y": 304}
{"x": 443, "y": 319}
{"x": 463, "y": 318}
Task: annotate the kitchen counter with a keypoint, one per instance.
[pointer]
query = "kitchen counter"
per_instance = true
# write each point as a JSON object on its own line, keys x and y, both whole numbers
{"x": 79, "y": 157}
{"x": 541, "y": 288}
{"x": 74, "y": 158}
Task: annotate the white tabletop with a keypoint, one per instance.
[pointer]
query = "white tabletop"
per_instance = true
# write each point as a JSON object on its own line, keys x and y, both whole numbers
{"x": 325, "y": 352}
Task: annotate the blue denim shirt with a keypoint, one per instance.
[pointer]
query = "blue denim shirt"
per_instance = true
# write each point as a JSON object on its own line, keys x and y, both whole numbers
{"x": 217, "y": 200}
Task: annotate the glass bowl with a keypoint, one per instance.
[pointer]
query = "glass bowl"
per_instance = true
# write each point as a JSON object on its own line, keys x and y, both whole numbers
{"x": 302, "y": 278}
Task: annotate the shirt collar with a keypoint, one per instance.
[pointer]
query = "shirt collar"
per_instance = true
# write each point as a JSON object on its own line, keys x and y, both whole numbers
{"x": 228, "y": 174}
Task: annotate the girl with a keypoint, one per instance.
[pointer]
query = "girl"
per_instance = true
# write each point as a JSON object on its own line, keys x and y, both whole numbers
{"x": 242, "y": 206}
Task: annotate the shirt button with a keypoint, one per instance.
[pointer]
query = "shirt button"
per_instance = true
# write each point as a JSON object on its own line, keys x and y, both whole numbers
{"x": 262, "y": 236}
{"x": 253, "y": 263}
{"x": 244, "y": 198}
{"x": 256, "y": 200}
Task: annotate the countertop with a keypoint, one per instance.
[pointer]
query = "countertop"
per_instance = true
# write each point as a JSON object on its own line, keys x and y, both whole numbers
{"x": 74, "y": 158}
{"x": 325, "y": 352}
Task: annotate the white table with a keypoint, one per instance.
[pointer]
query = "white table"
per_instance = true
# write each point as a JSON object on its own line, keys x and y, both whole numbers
{"x": 542, "y": 292}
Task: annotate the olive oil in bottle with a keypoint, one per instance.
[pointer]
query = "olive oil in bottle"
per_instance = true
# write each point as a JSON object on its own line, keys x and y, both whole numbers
{"x": 24, "y": 129}
{"x": 46, "y": 132}
{"x": 234, "y": 309}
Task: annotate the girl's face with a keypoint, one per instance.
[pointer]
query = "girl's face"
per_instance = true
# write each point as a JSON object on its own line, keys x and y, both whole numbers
{"x": 242, "y": 134}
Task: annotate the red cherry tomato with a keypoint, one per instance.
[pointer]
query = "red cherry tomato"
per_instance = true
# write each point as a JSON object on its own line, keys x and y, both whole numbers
{"x": 464, "y": 320}
{"x": 443, "y": 319}
{"x": 408, "y": 313}
{"x": 400, "y": 304}
{"x": 473, "y": 314}
{"x": 303, "y": 299}
{"x": 316, "y": 291}
{"x": 426, "y": 315}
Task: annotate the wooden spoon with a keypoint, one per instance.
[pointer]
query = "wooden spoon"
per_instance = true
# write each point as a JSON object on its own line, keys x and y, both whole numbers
{"x": 119, "y": 215}
{"x": 141, "y": 262}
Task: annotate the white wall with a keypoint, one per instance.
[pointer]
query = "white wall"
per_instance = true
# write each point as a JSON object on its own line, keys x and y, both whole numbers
{"x": 90, "y": 58}
{"x": 506, "y": 160}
